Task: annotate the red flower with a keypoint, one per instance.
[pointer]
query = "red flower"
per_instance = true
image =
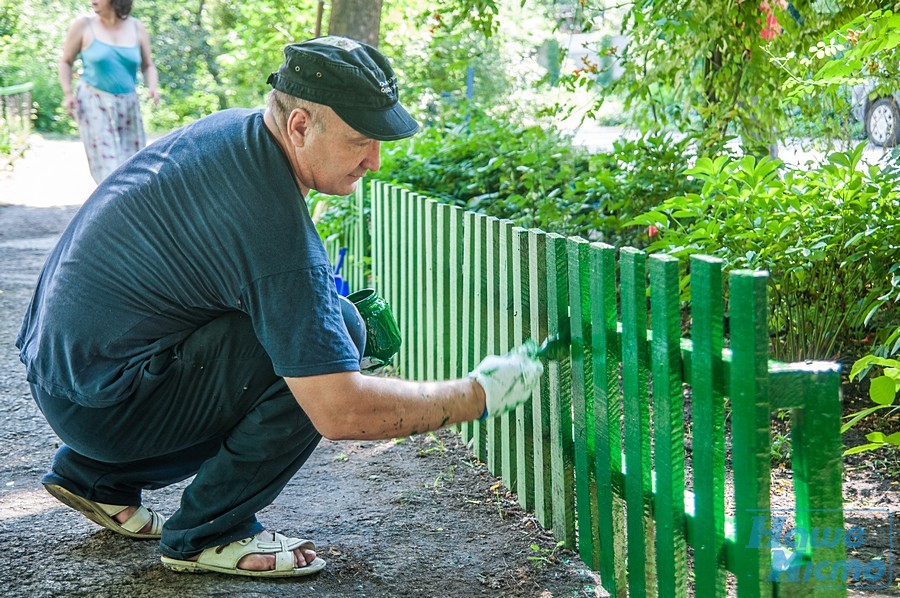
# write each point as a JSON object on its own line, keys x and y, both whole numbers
{"x": 652, "y": 231}
{"x": 771, "y": 28}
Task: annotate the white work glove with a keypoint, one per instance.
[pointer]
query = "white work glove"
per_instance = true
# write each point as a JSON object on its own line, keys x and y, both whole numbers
{"x": 508, "y": 380}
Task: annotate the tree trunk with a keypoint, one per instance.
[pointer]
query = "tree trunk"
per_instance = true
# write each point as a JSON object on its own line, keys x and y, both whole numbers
{"x": 357, "y": 19}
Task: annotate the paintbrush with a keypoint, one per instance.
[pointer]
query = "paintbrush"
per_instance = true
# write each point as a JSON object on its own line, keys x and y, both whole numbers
{"x": 555, "y": 347}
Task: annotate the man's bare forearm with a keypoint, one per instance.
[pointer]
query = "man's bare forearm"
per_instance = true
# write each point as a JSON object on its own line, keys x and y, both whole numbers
{"x": 356, "y": 407}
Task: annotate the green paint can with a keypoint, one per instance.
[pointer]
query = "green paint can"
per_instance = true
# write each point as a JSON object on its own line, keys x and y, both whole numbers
{"x": 382, "y": 334}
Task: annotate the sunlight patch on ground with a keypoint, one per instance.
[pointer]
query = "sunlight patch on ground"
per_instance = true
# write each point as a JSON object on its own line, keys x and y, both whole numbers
{"x": 51, "y": 173}
{"x": 24, "y": 503}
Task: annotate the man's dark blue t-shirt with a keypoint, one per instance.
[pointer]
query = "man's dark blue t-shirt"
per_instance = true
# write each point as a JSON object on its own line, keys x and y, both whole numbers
{"x": 206, "y": 220}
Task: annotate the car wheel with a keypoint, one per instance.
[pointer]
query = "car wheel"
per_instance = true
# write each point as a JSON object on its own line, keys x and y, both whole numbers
{"x": 883, "y": 122}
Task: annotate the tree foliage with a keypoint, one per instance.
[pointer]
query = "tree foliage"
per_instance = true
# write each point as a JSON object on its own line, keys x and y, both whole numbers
{"x": 210, "y": 54}
{"x": 30, "y": 45}
{"x": 867, "y": 49}
{"x": 216, "y": 54}
{"x": 704, "y": 66}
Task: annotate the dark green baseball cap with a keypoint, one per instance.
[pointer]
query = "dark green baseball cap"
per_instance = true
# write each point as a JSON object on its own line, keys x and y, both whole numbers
{"x": 351, "y": 78}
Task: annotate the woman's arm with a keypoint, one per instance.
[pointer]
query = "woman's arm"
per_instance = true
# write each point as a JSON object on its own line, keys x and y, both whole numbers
{"x": 71, "y": 47}
{"x": 151, "y": 78}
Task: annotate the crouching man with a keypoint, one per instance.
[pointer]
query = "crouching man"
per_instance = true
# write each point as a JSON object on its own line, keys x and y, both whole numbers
{"x": 187, "y": 322}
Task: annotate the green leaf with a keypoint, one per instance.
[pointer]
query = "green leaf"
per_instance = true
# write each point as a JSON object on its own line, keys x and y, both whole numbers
{"x": 863, "y": 448}
{"x": 870, "y": 360}
{"x": 875, "y": 437}
{"x": 855, "y": 417}
{"x": 893, "y": 374}
{"x": 883, "y": 390}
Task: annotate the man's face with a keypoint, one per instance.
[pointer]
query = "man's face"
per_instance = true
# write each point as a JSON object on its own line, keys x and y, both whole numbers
{"x": 334, "y": 158}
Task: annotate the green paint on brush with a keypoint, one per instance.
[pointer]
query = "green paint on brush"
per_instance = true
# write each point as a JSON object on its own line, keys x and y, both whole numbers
{"x": 555, "y": 347}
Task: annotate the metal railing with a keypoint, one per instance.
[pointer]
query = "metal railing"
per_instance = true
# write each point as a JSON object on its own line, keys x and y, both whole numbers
{"x": 15, "y": 121}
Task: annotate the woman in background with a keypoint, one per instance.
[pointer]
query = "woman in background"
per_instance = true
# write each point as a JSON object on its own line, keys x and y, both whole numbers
{"x": 112, "y": 46}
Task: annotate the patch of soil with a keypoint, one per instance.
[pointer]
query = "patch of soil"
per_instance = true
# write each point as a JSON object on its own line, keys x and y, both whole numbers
{"x": 410, "y": 517}
{"x": 871, "y": 489}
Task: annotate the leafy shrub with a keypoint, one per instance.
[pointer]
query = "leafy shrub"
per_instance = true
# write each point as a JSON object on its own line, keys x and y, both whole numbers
{"x": 637, "y": 176}
{"x": 883, "y": 391}
{"x": 486, "y": 164}
{"x": 538, "y": 178}
{"x": 29, "y": 51}
{"x": 332, "y": 213}
{"x": 827, "y": 236}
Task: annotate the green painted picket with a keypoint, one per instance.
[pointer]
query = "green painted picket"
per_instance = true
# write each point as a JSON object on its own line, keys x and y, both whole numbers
{"x": 599, "y": 453}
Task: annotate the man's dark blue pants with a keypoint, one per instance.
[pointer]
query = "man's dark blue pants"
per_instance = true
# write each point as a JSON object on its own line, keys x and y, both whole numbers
{"x": 213, "y": 406}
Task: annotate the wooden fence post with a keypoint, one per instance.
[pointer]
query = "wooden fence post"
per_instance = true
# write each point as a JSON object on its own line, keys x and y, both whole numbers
{"x": 492, "y": 328}
{"x": 583, "y": 401}
{"x": 562, "y": 450}
{"x": 456, "y": 267}
{"x": 431, "y": 342}
{"x": 409, "y": 288}
{"x": 635, "y": 391}
{"x": 445, "y": 273}
{"x": 469, "y": 308}
{"x": 375, "y": 247}
{"x": 816, "y": 454}
{"x": 708, "y": 415}
{"x": 508, "y": 430}
{"x": 540, "y": 400}
{"x": 479, "y": 337}
{"x": 522, "y": 331}
{"x": 750, "y": 414}
{"x": 668, "y": 427}
{"x": 360, "y": 280}
{"x": 606, "y": 355}
{"x": 421, "y": 314}
{"x": 396, "y": 234}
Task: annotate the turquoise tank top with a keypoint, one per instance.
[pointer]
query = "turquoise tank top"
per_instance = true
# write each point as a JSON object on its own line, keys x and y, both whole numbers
{"x": 109, "y": 68}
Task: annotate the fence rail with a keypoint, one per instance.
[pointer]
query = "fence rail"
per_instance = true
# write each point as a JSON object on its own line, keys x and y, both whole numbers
{"x": 15, "y": 121}
{"x": 599, "y": 453}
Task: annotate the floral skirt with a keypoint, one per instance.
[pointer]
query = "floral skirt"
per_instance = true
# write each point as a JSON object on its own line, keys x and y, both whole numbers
{"x": 111, "y": 128}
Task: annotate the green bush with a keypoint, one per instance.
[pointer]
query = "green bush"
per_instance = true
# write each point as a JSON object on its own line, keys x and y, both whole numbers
{"x": 637, "y": 176}
{"x": 29, "y": 50}
{"x": 827, "y": 235}
{"x": 882, "y": 391}
{"x": 538, "y": 178}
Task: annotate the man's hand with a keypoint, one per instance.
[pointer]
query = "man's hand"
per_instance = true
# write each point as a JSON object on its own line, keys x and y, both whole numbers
{"x": 508, "y": 380}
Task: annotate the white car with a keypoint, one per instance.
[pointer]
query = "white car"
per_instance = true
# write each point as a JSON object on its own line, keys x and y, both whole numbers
{"x": 879, "y": 112}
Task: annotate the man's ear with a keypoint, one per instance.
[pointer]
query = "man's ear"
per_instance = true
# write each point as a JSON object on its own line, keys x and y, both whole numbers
{"x": 299, "y": 123}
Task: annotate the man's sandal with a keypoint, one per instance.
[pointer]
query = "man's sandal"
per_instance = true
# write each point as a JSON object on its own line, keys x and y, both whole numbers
{"x": 103, "y": 514}
{"x": 225, "y": 558}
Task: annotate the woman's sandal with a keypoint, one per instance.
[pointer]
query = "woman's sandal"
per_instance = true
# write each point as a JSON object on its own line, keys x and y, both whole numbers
{"x": 103, "y": 514}
{"x": 225, "y": 558}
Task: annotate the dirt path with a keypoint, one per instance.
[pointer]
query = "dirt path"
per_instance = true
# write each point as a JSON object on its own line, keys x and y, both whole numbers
{"x": 53, "y": 172}
{"x": 415, "y": 517}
